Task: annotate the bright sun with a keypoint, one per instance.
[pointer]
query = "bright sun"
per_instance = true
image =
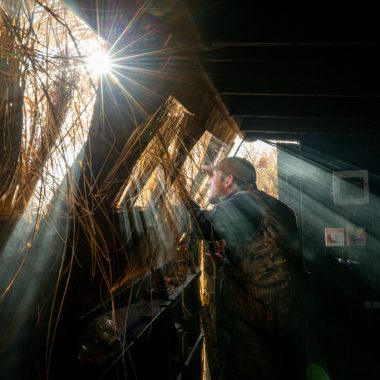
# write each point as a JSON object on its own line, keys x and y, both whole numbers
{"x": 99, "y": 63}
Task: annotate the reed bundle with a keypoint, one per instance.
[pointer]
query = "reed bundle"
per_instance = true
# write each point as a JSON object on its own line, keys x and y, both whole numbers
{"x": 47, "y": 96}
{"x": 46, "y": 99}
{"x": 11, "y": 102}
{"x": 164, "y": 175}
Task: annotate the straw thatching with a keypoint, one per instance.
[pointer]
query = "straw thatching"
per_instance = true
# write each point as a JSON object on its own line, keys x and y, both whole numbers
{"x": 131, "y": 223}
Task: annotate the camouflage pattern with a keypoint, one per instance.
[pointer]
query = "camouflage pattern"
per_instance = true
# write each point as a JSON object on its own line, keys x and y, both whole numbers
{"x": 254, "y": 286}
{"x": 258, "y": 288}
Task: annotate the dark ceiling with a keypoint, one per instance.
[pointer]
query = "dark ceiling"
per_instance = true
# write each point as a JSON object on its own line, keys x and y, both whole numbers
{"x": 294, "y": 67}
{"x": 285, "y": 68}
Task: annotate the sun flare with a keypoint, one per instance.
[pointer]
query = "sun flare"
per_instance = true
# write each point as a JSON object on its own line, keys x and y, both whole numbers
{"x": 99, "y": 63}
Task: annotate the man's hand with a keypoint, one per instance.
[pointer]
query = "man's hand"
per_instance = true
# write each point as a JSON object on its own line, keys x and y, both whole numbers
{"x": 212, "y": 263}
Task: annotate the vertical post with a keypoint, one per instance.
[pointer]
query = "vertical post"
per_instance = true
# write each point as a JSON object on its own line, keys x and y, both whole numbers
{"x": 207, "y": 287}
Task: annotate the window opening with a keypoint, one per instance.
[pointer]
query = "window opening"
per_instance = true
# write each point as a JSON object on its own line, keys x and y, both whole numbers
{"x": 263, "y": 156}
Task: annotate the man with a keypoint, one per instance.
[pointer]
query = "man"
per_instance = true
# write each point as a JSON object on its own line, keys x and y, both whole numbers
{"x": 257, "y": 271}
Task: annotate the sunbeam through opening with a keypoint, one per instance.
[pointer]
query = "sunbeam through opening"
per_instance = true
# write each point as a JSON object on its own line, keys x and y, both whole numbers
{"x": 99, "y": 63}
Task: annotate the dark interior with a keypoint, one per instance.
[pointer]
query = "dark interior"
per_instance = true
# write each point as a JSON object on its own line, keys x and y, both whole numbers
{"x": 272, "y": 71}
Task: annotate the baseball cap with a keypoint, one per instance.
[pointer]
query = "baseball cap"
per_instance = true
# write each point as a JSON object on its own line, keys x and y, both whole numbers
{"x": 239, "y": 167}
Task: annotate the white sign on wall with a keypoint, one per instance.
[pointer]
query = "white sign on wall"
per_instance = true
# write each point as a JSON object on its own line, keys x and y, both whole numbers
{"x": 350, "y": 187}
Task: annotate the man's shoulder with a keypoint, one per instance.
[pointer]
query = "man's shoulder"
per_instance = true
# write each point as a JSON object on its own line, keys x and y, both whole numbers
{"x": 263, "y": 197}
{"x": 273, "y": 206}
{"x": 243, "y": 195}
{"x": 244, "y": 198}
{"x": 247, "y": 206}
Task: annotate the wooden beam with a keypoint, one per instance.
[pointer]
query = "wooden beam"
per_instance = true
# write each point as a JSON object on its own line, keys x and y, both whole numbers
{"x": 294, "y": 127}
{"x": 303, "y": 106}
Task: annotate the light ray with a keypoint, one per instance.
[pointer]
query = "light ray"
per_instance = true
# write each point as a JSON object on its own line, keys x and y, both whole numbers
{"x": 99, "y": 63}
{"x": 134, "y": 19}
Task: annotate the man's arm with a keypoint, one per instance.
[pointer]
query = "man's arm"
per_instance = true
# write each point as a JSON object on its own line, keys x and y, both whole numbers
{"x": 202, "y": 225}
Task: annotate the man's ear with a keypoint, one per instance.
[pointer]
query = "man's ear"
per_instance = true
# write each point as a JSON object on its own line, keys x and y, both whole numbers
{"x": 229, "y": 180}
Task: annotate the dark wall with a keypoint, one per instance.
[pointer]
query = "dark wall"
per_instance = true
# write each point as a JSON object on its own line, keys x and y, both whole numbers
{"x": 340, "y": 305}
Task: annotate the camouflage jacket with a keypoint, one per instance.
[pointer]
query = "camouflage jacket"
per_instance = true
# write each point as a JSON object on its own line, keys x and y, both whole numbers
{"x": 262, "y": 249}
{"x": 261, "y": 282}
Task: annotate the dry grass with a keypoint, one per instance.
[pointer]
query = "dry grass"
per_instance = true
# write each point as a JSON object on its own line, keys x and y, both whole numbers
{"x": 160, "y": 184}
{"x": 46, "y": 105}
{"x": 46, "y": 102}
